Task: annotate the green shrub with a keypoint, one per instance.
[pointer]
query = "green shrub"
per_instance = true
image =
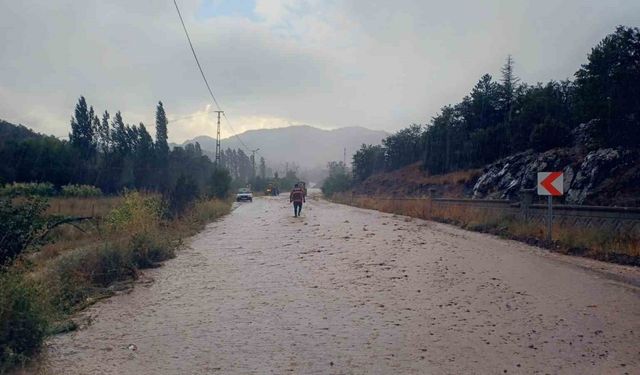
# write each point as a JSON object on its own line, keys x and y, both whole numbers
{"x": 23, "y": 320}
{"x": 81, "y": 191}
{"x": 205, "y": 211}
{"x": 70, "y": 277}
{"x": 42, "y": 189}
{"x": 138, "y": 213}
{"x": 220, "y": 183}
{"x": 184, "y": 193}
{"x": 21, "y": 223}
{"x": 79, "y": 274}
{"x": 110, "y": 263}
{"x": 149, "y": 249}
{"x": 339, "y": 179}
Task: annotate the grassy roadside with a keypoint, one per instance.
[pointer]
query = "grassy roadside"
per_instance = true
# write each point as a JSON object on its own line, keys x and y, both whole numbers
{"x": 601, "y": 244}
{"x": 88, "y": 261}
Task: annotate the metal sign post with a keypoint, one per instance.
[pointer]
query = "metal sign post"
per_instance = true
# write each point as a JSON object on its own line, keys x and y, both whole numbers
{"x": 551, "y": 185}
{"x": 549, "y": 217}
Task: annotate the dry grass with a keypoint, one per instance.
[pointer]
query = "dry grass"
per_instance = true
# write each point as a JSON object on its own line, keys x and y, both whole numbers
{"x": 80, "y": 234}
{"x": 200, "y": 214}
{"x": 413, "y": 180}
{"x": 108, "y": 223}
{"x": 101, "y": 227}
{"x": 94, "y": 207}
{"x": 457, "y": 177}
{"x": 86, "y": 263}
{"x": 598, "y": 243}
{"x": 205, "y": 211}
{"x": 128, "y": 233}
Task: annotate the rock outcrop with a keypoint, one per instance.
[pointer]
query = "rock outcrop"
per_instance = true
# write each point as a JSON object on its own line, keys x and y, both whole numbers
{"x": 585, "y": 135}
{"x": 592, "y": 174}
{"x": 607, "y": 176}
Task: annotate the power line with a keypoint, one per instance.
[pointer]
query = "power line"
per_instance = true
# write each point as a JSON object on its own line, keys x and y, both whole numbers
{"x": 233, "y": 131}
{"x": 184, "y": 27}
{"x": 204, "y": 78}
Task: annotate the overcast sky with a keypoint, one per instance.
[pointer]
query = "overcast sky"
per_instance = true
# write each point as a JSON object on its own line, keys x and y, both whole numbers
{"x": 381, "y": 64}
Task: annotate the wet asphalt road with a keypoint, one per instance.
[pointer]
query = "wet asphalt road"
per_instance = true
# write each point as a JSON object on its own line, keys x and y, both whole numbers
{"x": 343, "y": 290}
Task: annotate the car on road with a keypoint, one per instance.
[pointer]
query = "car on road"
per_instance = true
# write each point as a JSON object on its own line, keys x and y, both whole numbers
{"x": 244, "y": 195}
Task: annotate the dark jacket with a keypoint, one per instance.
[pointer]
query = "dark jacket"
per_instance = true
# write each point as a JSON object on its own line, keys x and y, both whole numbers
{"x": 297, "y": 195}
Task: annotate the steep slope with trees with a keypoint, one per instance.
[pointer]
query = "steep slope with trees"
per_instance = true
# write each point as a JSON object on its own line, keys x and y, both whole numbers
{"x": 595, "y": 116}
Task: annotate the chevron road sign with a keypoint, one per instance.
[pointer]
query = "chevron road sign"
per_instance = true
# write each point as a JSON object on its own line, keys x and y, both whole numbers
{"x": 550, "y": 183}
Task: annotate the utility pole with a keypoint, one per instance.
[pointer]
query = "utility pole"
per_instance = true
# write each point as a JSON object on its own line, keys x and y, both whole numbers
{"x": 253, "y": 159}
{"x": 218, "y": 139}
{"x": 344, "y": 157}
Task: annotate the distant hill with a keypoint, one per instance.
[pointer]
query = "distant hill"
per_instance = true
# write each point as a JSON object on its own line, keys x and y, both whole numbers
{"x": 307, "y": 146}
{"x": 17, "y": 133}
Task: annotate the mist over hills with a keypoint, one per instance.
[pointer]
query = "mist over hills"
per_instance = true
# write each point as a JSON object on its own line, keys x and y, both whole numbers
{"x": 304, "y": 145}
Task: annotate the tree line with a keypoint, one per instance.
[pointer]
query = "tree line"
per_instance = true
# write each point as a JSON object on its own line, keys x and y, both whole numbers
{"x": 243, "y": 167}
{"x": 105, "y": 152}
{"x": 502, "y": 117}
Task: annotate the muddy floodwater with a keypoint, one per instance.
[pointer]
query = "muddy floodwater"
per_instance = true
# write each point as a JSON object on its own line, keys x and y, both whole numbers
{"x": 343, "y": 290}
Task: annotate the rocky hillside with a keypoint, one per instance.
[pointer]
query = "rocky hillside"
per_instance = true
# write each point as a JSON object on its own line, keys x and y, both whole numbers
{"x": 592, "y": 176}
{"x": 601, "y": 177}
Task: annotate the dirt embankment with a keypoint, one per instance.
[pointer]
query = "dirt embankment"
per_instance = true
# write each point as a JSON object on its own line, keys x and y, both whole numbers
{"x": 413, "y": 181}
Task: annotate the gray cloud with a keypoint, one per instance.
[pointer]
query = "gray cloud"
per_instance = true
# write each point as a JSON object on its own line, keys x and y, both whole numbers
{"x": 374, "y": 63}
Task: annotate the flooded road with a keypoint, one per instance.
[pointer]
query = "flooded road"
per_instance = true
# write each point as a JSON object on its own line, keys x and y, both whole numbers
{"x": 343, "y": 290}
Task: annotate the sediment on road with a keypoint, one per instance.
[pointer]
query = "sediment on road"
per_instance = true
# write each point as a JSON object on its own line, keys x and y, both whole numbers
{"x": 344, "y": 290}
{"x": 596, "y": 243}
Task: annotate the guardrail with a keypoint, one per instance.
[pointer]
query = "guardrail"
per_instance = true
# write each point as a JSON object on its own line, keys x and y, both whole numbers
{"x": 619, "y": 219}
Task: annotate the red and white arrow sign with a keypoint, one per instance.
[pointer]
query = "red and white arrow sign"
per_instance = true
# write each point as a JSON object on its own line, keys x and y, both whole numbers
{"x": 550, "y": 183}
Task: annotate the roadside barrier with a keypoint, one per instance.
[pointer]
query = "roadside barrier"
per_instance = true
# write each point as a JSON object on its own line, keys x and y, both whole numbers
{"x": 619, "y": 219}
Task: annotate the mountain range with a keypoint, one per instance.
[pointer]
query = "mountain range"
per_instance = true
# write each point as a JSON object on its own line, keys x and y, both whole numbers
{"x": 304, "y": 145}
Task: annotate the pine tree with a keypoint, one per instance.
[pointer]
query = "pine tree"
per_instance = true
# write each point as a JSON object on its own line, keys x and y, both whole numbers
{"x": 104, "y": 134}
{"x": 95, "y": 125}
{"x": 144, "y": 158}
{"x": 145, "y": 142}
{"x": 162, "y": 149}
{"x": 607, "y": 87}
{"x": 119, "y": 135}
{"x": 82, "y": 135}
{"x": 509, "y": 86}
{"x": 92, "y": 115}
{"x": 104, "y": 177}
{"x": 162, "y": 146}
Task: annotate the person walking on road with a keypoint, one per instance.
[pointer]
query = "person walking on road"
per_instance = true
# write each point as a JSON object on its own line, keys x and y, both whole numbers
{"x": 297, "y": 196}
